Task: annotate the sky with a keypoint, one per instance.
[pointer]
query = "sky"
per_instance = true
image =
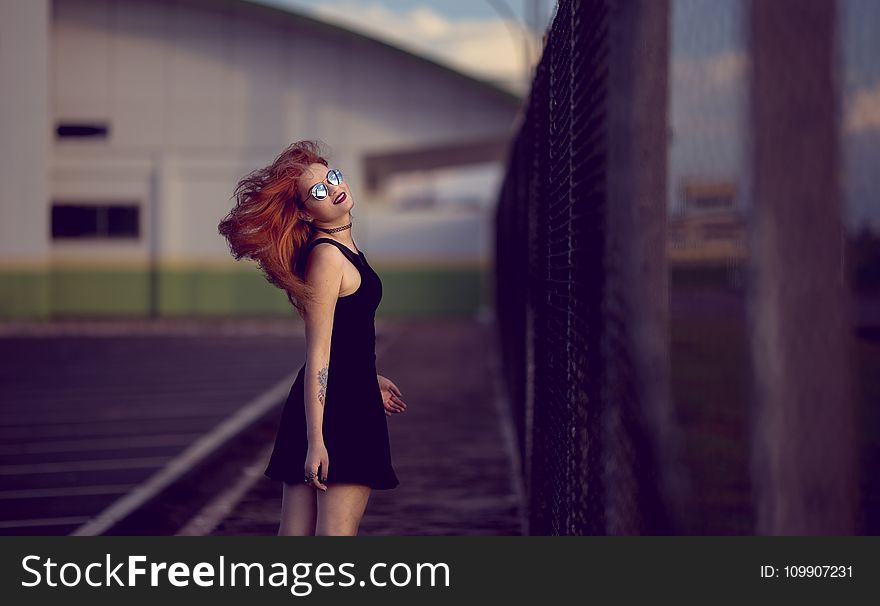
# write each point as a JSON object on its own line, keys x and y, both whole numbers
{"x": 489, "y": 39}
{"x": 708, "y": 97}
{"x": 708, "y": 72}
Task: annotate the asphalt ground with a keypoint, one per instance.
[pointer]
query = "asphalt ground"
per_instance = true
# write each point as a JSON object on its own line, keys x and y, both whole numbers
{"x": 104, "y": 426}
{"x": 87, "y": 417}
{"x": 450, "y": 448}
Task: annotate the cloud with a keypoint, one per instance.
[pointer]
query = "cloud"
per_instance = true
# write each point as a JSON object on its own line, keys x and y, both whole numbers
{"x": 863, "y": 110}
{"x": 708, "y": 95}
{"x": 707, "y": 105}
{"x": 430, "y": 23}
{"x": 484, "y": 48}
{"x": 701, "y": 84}
{"x": 719, "y": 73}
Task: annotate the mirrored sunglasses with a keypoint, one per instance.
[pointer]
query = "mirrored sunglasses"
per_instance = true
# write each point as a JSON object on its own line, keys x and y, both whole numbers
{"x": 319, "y": 191}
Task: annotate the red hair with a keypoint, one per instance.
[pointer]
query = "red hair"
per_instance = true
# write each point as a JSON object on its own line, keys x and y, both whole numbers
{"x": 265, "y": 226}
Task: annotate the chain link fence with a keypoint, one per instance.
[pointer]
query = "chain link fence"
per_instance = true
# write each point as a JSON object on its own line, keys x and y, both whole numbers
{"x": 586, "y": 455}
{"x": 650, "y": 389}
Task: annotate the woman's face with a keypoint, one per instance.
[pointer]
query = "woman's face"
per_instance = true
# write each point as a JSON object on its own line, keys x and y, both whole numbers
{"x": 328, "y": 210}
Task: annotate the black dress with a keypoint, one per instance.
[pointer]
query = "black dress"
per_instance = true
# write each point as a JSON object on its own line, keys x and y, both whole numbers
{"x": 354, "y": 428}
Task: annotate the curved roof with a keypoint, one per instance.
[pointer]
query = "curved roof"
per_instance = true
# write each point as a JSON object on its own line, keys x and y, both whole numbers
{"x": 293, "y": 14}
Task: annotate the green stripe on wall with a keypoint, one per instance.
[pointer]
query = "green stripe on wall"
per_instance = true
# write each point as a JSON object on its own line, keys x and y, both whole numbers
{"x": 193, "y": 293}
{"x": 24, "y": 294}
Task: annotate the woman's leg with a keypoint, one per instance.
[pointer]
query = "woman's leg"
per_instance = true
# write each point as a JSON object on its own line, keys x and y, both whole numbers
{"x": 299, "y": 510}
{"x": 341, "y": 508}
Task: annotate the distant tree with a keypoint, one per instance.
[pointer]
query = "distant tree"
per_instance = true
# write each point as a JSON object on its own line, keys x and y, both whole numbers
{"x": 864, "y": 255}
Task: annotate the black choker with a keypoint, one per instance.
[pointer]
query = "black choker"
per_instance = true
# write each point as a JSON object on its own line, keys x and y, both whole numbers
{"x": 332, "y": 230}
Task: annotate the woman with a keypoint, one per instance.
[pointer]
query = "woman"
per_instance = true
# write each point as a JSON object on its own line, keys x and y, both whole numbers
{"x": 331, "y": 448}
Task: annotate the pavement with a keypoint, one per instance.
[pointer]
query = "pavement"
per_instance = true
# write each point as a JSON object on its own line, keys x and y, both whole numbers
{"x": 90, "y": 415}
{"x": 450, "y": 449}
{"x": 96, "y": 415}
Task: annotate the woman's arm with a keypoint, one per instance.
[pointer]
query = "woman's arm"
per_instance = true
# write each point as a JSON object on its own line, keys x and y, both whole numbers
{"x": 324, "y": 273}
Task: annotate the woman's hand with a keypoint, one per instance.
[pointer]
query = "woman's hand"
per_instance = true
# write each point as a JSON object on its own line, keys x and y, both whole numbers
{"x": 316, "y": 457}
{"x": 391, "y": 400}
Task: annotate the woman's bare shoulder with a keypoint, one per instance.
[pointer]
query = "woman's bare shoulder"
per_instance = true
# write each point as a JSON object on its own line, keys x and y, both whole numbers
{"x": 325, "y": 261}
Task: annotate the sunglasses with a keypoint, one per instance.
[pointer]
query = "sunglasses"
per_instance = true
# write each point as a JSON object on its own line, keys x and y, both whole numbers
{"x": 319, "y": 191}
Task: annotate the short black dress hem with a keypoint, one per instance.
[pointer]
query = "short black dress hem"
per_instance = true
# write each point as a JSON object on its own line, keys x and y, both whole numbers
{"x": 388, "y": 485}
{"x": 354, "y": 426}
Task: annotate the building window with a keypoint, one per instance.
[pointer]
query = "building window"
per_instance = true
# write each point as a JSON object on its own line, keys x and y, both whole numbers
{"x": 720, "y": 231}
{"x": 95, "y": 221}
{"x": 713, "y": 202}
{"x": 81, "y": 130}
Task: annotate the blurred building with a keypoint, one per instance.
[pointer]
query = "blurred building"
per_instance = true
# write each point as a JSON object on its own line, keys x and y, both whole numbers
{"x": 710, "y": 228}
{"x": 127, "y": 124}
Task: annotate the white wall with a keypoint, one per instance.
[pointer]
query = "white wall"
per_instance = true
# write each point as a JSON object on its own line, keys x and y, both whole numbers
{"x": 25, "y": 139}
{"x": 198, "y": 95}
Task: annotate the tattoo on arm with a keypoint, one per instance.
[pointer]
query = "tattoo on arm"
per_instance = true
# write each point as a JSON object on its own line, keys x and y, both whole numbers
{"x": 322, "y": 381}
